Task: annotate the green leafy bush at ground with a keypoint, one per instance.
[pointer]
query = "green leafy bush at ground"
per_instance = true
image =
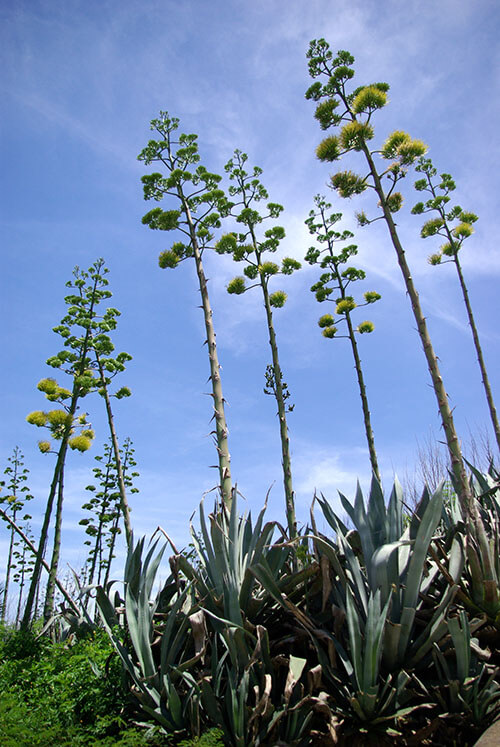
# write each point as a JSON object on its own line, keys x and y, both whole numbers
{"x": 70, "y": 694}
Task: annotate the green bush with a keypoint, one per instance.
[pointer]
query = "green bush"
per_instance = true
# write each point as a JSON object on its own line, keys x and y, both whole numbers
{"x": 79, "y": 685}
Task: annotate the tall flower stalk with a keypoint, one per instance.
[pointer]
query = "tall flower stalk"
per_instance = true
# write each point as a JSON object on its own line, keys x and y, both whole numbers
{"x": 454, "y": 225}
{"x": 321, "y": 224}
{"x": 352, "y": 112}
{"x": 84, "y": 331}
{"x": 198, "y": 197}
{"x": 247, "y": 247}
{"x": 14, "y": 499}
{"x": 103, "y": 525}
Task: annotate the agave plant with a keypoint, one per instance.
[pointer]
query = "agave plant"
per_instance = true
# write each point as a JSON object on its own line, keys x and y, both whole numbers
{"x": 159, "y": 674}
{"x": 213, "y": 648}
{"x": 466, "y": 685}
{"x": 395, "y": 561}
{"x": 480, "y": 587}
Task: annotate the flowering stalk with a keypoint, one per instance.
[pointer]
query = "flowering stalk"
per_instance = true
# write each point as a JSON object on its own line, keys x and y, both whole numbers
{"x": 449, "y": 252}
{"x": 105, "y": 505}
{"x": 83, "y": 331}
{"x": 17, "y": 494}
{"x": 199, "y": 198}
{"x": 354, "y": 110}
{"x": 336, "y": 279}
{"x": 245, "y": 246}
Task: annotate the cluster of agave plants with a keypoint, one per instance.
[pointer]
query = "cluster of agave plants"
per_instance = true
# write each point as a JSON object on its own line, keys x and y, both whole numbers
{"x": 387, "y": 630}
{"x": 383, "y": 627}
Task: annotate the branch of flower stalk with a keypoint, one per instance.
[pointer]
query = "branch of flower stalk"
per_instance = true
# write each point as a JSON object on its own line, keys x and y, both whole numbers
{"x": 33, "y": 549}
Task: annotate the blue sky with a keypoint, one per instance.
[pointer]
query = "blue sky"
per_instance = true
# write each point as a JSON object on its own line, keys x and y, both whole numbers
{"x": 80, "y": 82}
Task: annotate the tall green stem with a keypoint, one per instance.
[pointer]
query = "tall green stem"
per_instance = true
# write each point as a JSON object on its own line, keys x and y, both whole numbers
{"x": 8, "y": 571}
{"x": 56, "y": 551}
{"x": 221, "y": 429}
{"x": 452, "y": 441}
{"x": 364, "y": 399}
{"x": 479, "y": 352}
{"x": 44, "y": 533}
{"x": 124, "y": 507}
{"x": 285, "y": 441}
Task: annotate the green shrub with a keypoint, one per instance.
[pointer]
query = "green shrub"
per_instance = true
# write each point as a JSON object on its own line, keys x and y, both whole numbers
{"x": 72, "y": 686}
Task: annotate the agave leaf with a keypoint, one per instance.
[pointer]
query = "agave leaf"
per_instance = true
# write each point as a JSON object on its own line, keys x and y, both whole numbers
{"x": 170, "y": 642}
{"x": 359, "y": 583}
{"x": 377, "y": 514}
{"x": 434, "y": 630}
{"x": 295, "y": 668}
{"x": 394, "y": 512}
{"x": 392, "y": 635}
{"x": 381, "y": 567}
{"x": 430, "y": 520}
{"x": 374, "y": 630}
{"x": 460, "y": 635}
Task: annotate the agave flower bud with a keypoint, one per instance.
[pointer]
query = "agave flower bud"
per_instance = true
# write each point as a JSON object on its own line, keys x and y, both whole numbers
{"x": 368, "y": 99}
{"x": 80, "y": 443}
{"x": 60, "y": 394}
{"x": 394, "y": 202}
{"x": 431, "y": 227}
{"x": 240, "y": 251}
{"x": 372, "y": 296}
{"x": 251, "y": 272}
{"x": 237, "y": 286}
{"x": 365, "y": 327}
{"x": 37, "y": 417}
{"x": 326, "y": 320}
{"x": 393, "y": 142}
{"x": 163, "y": 220}
{"x": 450, "y": 248}
{"x": 352, "y": 273}
{"x": 89, "y": 433}
{"x": 361, "y": 218}
{"x": 58, "y": 418}
{"x": 44, "y": 446}
{"x": 268, "y": 268}
{"x": 289, "y": 264}
{"x": 277, "y": 299}
{"x": 48, "y": 386}
{"x": 312, "y": 255}
{"x": 124, "y": 391}
{"x": 179, "y": 249}
{"x": 353, "y": 134}
{"x": 322, "y": 293}
{"x": 468, "y": 217}
{"x": 347, "y": 184}
{"x": 345, "y": 305}
{"x": 168, "y": 258}
{"x": 329, "y": 149}
{"x": 325, "y": 113}
{"x": 463, "y": 231}
{"x": 420, "y": 184}
{"x": 226, "y": 244}
{"x": 410, "y": 150}
{"x": 434, "y": 259}
{"x": 329, "y": 332}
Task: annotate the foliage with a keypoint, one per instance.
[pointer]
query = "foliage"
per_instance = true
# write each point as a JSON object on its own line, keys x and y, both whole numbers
{"x": 60, "y": 689}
